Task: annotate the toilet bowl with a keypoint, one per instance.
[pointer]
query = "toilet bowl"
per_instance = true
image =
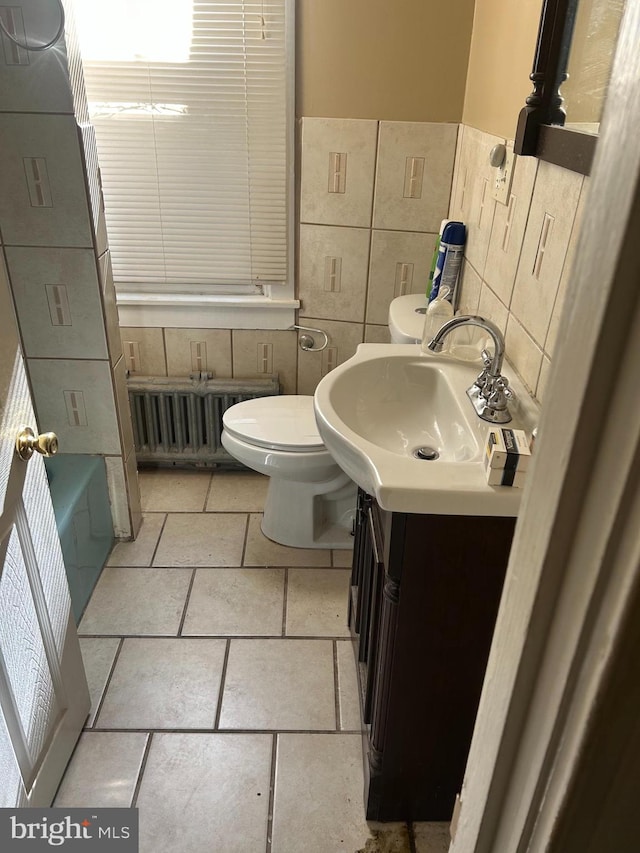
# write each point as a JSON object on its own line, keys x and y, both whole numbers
{"x": 310, "y": 501}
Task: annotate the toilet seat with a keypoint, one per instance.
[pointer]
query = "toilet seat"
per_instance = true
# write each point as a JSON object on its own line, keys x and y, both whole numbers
{"x": 285, "y": 423}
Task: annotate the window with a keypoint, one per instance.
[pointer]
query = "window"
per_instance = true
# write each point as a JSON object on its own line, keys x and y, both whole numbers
{"x": 191, "y": 104}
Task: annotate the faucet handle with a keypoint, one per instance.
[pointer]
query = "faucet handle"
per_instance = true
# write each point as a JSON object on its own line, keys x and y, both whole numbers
{"x": 481, "y": 379}
{"x": 486, "y": 359}
{"x": 500, "y": 393}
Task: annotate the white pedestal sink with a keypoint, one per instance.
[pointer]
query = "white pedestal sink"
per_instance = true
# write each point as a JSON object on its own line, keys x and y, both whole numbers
{"x": 375, "y": 410}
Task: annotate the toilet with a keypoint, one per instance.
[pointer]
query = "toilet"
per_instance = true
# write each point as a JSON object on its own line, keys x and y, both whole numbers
{"x": 310, "y": 501}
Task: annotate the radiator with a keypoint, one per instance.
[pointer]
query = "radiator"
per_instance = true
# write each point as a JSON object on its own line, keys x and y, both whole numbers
{"x": 178, "y": 421}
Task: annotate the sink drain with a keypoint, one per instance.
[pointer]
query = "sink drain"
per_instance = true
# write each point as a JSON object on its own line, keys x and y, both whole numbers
{"x": 427, "y": 453}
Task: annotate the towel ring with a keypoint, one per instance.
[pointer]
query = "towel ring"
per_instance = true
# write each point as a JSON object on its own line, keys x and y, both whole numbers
{"x": 308, "y": 343}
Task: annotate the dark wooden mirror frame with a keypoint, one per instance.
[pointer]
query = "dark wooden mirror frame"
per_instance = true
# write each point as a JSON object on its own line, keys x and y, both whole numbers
{"x": 540, "y": 131}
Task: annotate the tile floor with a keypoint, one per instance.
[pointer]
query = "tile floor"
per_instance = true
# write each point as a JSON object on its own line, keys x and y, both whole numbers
{"x": 224, "y": 702}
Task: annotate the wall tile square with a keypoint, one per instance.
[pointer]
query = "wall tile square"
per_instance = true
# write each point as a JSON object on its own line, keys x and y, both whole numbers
{"x": 264, "y": 352}
{"x": 144, "y": 351}
{"x": 334, "y": 263}
{"x": 491, "y": 308}
{"x": 112, "y": 325}
{"x": 33, "y": 82}
{"x": 509, "y": 223}
{"x": 413, "y": 176}
{"x": 343, "y": 342}
{"x": 118, "y": 497}
{"x": 552, "y": 333}
{"x": 122, "y": 402}
{"x": 377, "y": 335}
{"x": 338, "y": 166}
{"x": 43, "y": 199}
{"x": 400, "y": 263}
{"x": 523, "y": 353}
{"x": 474, "y": 204}
{"x": 198, "y": 350}
{"x": 75, "y": 400}
{"x": 468, "y": 289}
{"x": 58, "y": 302}
{"x": 553, "y": 209}
{"x": 543, "y": 379}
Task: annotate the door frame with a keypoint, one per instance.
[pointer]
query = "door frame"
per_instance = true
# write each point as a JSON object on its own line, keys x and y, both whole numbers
{"x": 556, "y": 700}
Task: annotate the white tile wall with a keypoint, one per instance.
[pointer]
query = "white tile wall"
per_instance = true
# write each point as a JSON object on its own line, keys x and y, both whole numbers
{"x": 144, "y": 351}
{"x": 263, "y": 352}
{"x": 35, "y": 82}
{"x": 400, "y": 263}
{"x": 506, "y": 289}
{"x": 553, "y": 210}
{"x": 58, "y": 302}
{"x": 338, "y": 164}
{"x": 198, "y": 350}
{"x": 334, "y": 263}
{"x": 343, "y": 342}
{"x": 105, "y": 272}
{"x": 118, "y": 497}
{"x": 75, "y": 400}
{"x": 413, "y": 176}
{"x": 124, "y": 412}
{"x": 43, "y": 200}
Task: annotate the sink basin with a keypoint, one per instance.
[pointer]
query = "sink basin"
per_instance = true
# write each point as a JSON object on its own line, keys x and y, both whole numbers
{"x": 375, "y": 410}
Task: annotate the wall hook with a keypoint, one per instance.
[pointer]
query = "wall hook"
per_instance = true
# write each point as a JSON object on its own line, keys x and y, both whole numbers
{"x": 308, "y": 343}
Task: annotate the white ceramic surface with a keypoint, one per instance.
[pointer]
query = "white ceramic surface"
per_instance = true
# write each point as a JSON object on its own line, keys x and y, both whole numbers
{"x": 387, "y": 400}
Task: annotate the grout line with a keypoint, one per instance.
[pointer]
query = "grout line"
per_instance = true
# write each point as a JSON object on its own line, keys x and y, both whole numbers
{"x": 107, "y": 684}
{"x": 336, "y": 691}
{"x": 209, "y": 487}
{"x": 201, "y": 731}
{"x": 285, "y": 597}
{"x": 272, "y": 792}
{"x": 186, "y": 602}
{"x": 223, "y": 679}
{"x": 155, "y": 550}
{"x": 143, "y": 767}
{"x": 246, "y": 539}
{"x": 331, "y": 637}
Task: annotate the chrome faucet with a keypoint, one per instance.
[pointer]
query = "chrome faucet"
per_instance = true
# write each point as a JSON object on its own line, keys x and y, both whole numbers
{"x": 489, "y": 393}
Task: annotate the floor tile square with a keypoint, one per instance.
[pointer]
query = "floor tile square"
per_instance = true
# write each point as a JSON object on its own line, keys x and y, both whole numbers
{"x": 317, "y": 603}
{"x": 202, "y": 793}
{"x": 261, "y": 551}
{"x": 237, "y": 491}
{"x": 98, "y": 655}
{"x": 173, "y": 491}
{"x": 137, "y": 601}
{"x": 279, "y": 684}
{"x": 348, "y": 699}
{"x": 235, "y": 602}
{"x": 202, "y": 539}
{"x": 323, "y": 772}
{"x": 103, "y": 771}
{"x": 139, "y": 552}
{"x": 432, "y": 837}
{"x": 164, "y": 684}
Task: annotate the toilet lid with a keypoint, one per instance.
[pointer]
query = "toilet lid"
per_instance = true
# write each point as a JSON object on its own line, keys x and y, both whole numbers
{"x": 280, "y": 423}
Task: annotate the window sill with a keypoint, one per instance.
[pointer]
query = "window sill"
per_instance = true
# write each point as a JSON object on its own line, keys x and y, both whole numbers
{"x": 201, "y": 311}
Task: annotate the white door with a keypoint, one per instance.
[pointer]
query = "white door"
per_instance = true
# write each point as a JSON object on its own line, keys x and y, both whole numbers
{"x": 44, "y": 698}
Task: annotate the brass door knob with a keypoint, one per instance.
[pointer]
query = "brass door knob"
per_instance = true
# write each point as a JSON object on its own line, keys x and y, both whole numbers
{"x": 27, "y": 441}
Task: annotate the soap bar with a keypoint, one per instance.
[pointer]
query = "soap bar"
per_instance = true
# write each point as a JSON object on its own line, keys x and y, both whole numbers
{"x": 507, "y": 448}
{"x": 506, "y": 477}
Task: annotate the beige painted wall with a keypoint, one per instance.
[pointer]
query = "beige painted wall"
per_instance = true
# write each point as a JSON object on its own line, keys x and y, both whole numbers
{"x": 398, "y": 60}
{"x": 502, "y": 49}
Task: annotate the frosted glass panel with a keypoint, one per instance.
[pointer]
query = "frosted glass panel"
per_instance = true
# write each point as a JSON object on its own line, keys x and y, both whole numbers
{"x": 23, "y": 650}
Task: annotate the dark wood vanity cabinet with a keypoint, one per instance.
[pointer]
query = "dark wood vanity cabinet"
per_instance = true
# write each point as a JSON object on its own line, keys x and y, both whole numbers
{"x": 424, "y": 597}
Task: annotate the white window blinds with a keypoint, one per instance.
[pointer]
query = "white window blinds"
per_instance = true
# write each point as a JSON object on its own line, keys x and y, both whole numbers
{"x": 189, "y": 103}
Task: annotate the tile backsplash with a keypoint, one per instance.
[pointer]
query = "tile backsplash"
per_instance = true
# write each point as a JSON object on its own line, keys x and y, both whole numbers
{"x": 372, "y": 197}
{"x": 518, "y": 256}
